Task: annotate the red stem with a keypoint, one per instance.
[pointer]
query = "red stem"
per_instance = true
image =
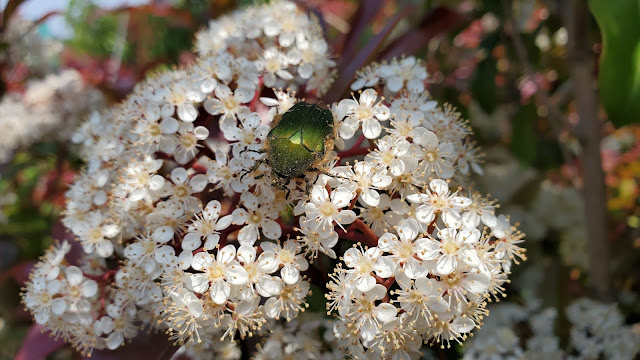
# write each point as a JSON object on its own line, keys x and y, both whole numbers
{"x": 360, "y": 225}
{"x": 355, "y": 150}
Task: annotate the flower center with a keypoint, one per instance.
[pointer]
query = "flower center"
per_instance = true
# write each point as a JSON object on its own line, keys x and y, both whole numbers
{"x": 406, "y": 250}
{"x": 74, "y": 292}
{"x": 178, "y": 98}
{"x": 453, "y": 279}
{"x": 430, "y": 156}
{"x": 149, "y": 247}
{"x": 387, "y": 157}
{"x": 181, "y": 191}
{"x": 154, "y": 130}
{"x": 256, "y": 218}
{"x": 450, "y": 247}
{"x": 215, "y": 272}
{"x": 327, "y": 209}
{"x": 188, "y": 141}
{"x": 95, "y": 235}
{"x": 439, "y": 203}
{"x": 230, "y": 103}
{"x": 286, "y": 256}
{"x": 365, "y": 265}
{"x": 364, "y": 112}
{"x": 272, "y": 65}
{"x": 207, "y": 228}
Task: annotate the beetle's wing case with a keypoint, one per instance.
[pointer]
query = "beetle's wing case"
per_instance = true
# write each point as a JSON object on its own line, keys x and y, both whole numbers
{"x": 289, "y": 159}
{"x": 306, "y": 124}
{"x": 317, "y": 126}
{"x": 289, "y": 122}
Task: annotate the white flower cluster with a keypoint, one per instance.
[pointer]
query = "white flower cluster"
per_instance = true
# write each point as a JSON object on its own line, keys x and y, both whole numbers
{"x": 51, "y": 107}
{"x": 527, "y": 332}
{"x": 306, "y": 338}
{"x": 286, "y": 46}
{"x": 186, "y": 227}
{"x": 26, "y": 47}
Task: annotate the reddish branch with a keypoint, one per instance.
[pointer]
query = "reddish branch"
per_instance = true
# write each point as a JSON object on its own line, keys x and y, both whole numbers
{"x": 356, "y": 149}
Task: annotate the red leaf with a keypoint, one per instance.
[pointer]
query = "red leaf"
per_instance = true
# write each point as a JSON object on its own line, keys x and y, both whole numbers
{"x": 60, "y": 233}
{"x": 37, "y": 345}
{"x": 362, "y": 18}
{"x": 436, "y": 22}
{"x": 347, "y": 74}
{"x": 18, "y": 272}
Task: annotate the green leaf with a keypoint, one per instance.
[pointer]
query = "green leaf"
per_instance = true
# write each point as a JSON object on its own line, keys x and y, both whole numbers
{"x": 523, "y": 137}
{"x": 620, "y": 60}
{"x": 483, "y": 85}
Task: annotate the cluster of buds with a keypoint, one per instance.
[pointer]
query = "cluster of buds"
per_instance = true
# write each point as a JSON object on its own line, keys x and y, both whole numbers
{"x": 187, "y": 227}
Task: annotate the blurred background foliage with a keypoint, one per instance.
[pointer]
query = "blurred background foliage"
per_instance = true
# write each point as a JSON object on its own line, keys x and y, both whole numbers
{"x": 506, "y": 66}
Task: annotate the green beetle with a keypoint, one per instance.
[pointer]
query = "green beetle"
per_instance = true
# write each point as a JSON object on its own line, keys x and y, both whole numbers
{"x": 299, "y": 141}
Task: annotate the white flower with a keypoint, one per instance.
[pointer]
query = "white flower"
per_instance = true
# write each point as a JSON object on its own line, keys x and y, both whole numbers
{"x": 208, "y": 69}
{"x": 229, "y": 104}
{"x": 274, "y": 63}
{"x": 147, "y": 249}
{"x": 288, "y": 302}
{"x": 315, "y": 242}
{"x": 179, "y": 97}
{"x": 507, "y": 247}
{"x": 283, "y": 102}
{"x": 258, "y": 279}
{"x": 389, "y": 153}
{"x": 367, "y": 316}
{"x": 248, "y": 136}
{"x": 219, "y": 273}
{"x": 187, "y": 142}
{"x": 288, "y": 257}
{"x": 366, "y": 111}
{"x": 363, "y": 264}
{"x": 479, "y": 210}
{"x": 438, "y": 200}
{"x": 40, "y": 299}
{"x": 324, "y": 210}
{"x": 123, "y": 326}
{"x": 452, "y": 248}
{"x": 420, "y": 298}
{"x": 256, "y": 216}
{"x": 206, "y": 225}
{"x": 183, "y": 188}
{"x": 406, "y": 71}
{"x": 367, "y": 178}
{"x": 403, "y": 250}
{"x": 435, "y": 156}
{"x": 95, "y": 235}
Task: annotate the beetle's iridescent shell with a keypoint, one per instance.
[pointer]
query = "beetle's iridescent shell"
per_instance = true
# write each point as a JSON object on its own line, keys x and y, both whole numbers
{"x": 297, "y": 139}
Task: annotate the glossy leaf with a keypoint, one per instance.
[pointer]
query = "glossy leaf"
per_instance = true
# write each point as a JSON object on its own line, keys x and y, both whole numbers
{"x": 483, "y": 85}
{"x": 523, "y": 136}
{"x": 620, "y": 61}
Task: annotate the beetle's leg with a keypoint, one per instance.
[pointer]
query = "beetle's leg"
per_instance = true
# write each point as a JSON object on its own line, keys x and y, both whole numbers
{"x": 252, "y": 169}
{"x": 261, "y": 151}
